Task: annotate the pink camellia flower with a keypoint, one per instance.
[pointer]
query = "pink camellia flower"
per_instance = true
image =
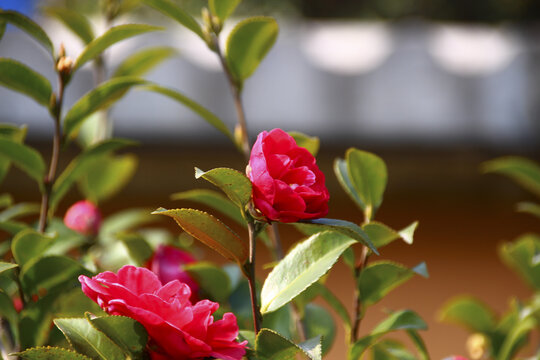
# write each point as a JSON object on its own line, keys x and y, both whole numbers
{"x": 83, "y": 217}
{"x": 168, "y": 264}
{"x": 178, "y": 329}
{"x": 287, "y": 183}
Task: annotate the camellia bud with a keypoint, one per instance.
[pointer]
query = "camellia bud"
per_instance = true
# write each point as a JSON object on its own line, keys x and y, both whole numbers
{"x": 61, "y": 51}
{"x": 64, "y": 65}
{"x": 478, "y": 346}
{"x": 83, "y": 217}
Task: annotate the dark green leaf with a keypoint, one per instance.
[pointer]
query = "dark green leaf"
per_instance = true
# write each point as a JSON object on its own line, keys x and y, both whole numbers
{"x": 390, "y": 350}
{"x": 107, "y": 175}
{"x": 193, "y": 106}
{"x": 24, "y": 157}
{"x": 16, "y": 134}
{"x": 342, "y": 174}
{"x": 528, "y": 207}
{"x": 170, "y": 9}
{"x": 82, "y": 164}
{"x": 304, "y": 265}
{"x": 318, "y": 322}
{"x": 99, "y": 98}
{"x": 125, "y": 220}
{"x": 139, "y": 250}
{"x": 12, "y": 227}
{"x": 6, "y": 266}
{"x": 336, "y": 304}
{"x": 248, "y": 44}
{"x": 232, "y": 182}
{"x": 223, "y": 8}
{"x": 379, "y": 278}
{"x": 344, "y": 227}
{"x": 74, "y": 21}
{"x": 210, "y": 231}
{"x": 29, "y": 26}
{"x": 522, "y": 256}
{"x": 523, "y": 171}
{"x": 124, "y": 332}
{"x": 29, "y": 244}
{"x": 310, "y": 143}
{"x": 19, "y": 77}
{"x": 8, "y": 312}
{"x": 382, "y": 235}
{"x": 141, "y": 62}
{"x": 18, "y": 210}
{"x": 50, "y": 353}
{"x": 368, "y": 176}
{"x": 212, "y": 279}
{"x": 86, "y": 339}
{"x": 111, "y": 37}
{"x": 469, "y": 313}
{"x": 269, "y": 345}
{"x": 419, "y": 343}
{"x": 515, "y": 337}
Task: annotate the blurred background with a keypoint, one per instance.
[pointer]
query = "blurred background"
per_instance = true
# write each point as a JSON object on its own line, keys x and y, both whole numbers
{"x": 433, "y": 87}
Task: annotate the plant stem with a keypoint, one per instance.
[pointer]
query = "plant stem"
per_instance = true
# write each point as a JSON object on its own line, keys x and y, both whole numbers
{"x": 250, "y": 267}
{"x": 49, "y": 179}
{"x": 358, "y": 315}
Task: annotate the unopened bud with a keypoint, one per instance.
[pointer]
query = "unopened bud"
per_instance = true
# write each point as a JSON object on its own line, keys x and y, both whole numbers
{"x": 61, "y": 51}
{"x": 478, "y": 346}
{"x": 64, "y": 65}
{"x": 83, "y": 217}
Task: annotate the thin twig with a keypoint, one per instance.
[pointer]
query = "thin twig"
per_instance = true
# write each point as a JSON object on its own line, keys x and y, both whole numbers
{"x": 251, "y": 278}
{"x": 358, "y": 315}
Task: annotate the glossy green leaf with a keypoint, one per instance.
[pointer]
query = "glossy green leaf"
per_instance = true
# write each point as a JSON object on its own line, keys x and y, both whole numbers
{"x": 24, "y": 157}
{"x": 304, "y": 265}
{"x": 125, "y": 332}
{"x": 139, "y": 250}
{"x": 82, "y": 164}
{"x": 16, "y": 134}
{"x": 248, "y": 44}
{"x": 140, "y": 63}
{"x": 8, "y": 312}
{"x": 29, "y": 26}
{"x": 270, "y": 345}
{"x": 198, "y": 109}
{"x": 6, "y": 266}
{"x": 223, "y": 8}
{"x": 313, "y": 347}
{"x": 522, "y": 255}
{"x": 523, "y": 171}
{"x": 342, "y": 174}
{"x": 232, "y": 182}
{"x": 336, "y": 304}
{"x": 126, "y": 220}
{"x": 212, "y": 279}
{"x": 212, "y": 199}
{"x": 343, "y": 227}
{"x": 469, "y": 313}
{"x": 368, "y": 176}
{"x": 318, "y": 322}
{"x": 512, "y": 342}
{"x": 19, "y": 77}
{"x": 20, "y": 209}
{"x": 399, "y": 320}
{"x": 74, "y": 21}
{"x": 86, "y": 339}
{"x": 96, "y": 99}
{"x": 390, "y": 350}
{"x": 530, "y": 208}
{"x": 382, "y": 235}
{"x": 50, "y": 353}
{"x": 13, "y": 227}
{"x": 419, "y": 344}
{"x": 310, "y": 143}
{"x": 107, "y": 176}
{"x": 210, "y": 231}
{"x": 379, "y": 278}
{"x": 29, "y": 244}
{"x": 170, "y": 9}
{"x": 111, "y": 37}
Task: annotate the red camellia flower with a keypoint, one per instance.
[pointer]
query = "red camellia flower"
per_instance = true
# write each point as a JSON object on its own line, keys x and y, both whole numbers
{"x": 178, "y": 329}
{"x": 287, "y": 183}
{"x": 168, "y": 264}
{"x": 83, "y": 217}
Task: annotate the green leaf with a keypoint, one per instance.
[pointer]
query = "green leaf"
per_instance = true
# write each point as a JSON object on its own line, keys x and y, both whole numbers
{"x": 139, "y": 250}
{"x": 50, "y": 353}
{"x": 141, "y": 62}
{"x": 469, "y": 313}
{"x": 125, "y": 332}
{"x": 232, "y": 182}
{"x": 310, "y": 143}
{"x": 528, "y": 207}
{"x": 82, "y": 164}
{"x": 304, "y": 265}
{"x": 111, "y": 37}
{"x": 125, "y": 220}
{"x": 212, "y": 199}
{"x": 20, "y": 209}
{"x": 74, "y": 21}
{"x": 86, "y": 339}
{"x": 6, "y": 266}
{"x": 8, "y": 312}
{"x": 29, "y": 244}
{"x": 29, "y": 26}
{"x": 107, "y": 175}
{"x": 511, "y": 343}
{"x": 12, "y": 227}
{"x": 390, "y": 350}
{"x": 24, "y": 157}
{"x": 379, "y": 278}
{"x": 313, "y": 347}
{"x": 368, "y": 176}
{"x": 342, "y": 174}
{"x": 344, "y": 227}
{"x": 336, "y": 304}
{"x": 193, "y": 106}
{"x": 523, "y": 171}
{"x": 382, "y": 235}
{"x": 269, "y": 345}
{"x": 6, "y": 200}
{"x": 419, "y": 343}
{"x": 318, "y": 321}
{"x": 96, "y": 99}
{"x": 170, "y": 9}
{"x": 19, "y": 77}
{"x": 522, "y": 256}
{"x": 399, "y": 320}
{"x": 248, "y": 44}
{"x": 16, "y": 134}
{"x": 210, "y": 231}
{"x": 223, "y": 8}
{"x": 212, "y": 279}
